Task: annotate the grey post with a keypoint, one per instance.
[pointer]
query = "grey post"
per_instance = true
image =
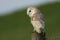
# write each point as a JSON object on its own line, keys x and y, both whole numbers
{"x": 36, "y": 36}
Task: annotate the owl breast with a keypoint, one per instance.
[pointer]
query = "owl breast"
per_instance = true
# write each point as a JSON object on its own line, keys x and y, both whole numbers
{"x": 37, "y": 24}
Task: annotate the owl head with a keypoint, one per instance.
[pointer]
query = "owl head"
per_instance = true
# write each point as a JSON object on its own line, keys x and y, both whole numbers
{"x": 32, "y": 10}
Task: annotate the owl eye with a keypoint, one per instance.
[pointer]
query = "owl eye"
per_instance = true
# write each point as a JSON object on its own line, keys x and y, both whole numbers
{"x": 29, "y": 10}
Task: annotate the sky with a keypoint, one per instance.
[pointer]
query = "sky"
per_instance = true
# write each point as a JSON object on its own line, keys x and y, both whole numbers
{"x": 10, "y": 5}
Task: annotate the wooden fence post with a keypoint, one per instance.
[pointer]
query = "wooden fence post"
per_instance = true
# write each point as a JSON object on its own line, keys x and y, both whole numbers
{"x": 36, "y": 36}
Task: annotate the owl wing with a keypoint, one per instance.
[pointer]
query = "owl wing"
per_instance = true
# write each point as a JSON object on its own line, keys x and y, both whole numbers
{"x": 41, "y": 16}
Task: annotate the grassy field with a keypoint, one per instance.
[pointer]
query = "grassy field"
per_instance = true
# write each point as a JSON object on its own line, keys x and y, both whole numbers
{"x": 17, "y": 26}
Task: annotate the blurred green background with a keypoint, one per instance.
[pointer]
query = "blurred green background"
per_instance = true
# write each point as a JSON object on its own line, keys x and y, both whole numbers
{"x": 17, "y": 25}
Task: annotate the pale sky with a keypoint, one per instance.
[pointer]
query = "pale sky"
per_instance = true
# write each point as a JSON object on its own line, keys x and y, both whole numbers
{"x": 10, "y": 5}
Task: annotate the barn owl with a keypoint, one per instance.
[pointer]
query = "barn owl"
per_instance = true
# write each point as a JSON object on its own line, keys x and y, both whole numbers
{"x": 37, "y": 19}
